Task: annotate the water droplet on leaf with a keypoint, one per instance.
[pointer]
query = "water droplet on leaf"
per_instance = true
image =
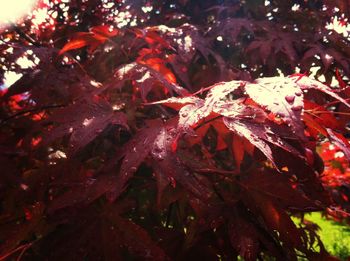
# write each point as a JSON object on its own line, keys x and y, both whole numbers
{"x": 297, "y": 108}
{"x": 298, "y": 93}
{"x": 184, "y": 114}
{"x": 290, "y": 98}
{"x": 172, "y": 182}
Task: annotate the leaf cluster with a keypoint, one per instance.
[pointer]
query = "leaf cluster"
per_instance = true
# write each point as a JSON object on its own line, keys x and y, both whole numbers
{"x": 167, "y": 130}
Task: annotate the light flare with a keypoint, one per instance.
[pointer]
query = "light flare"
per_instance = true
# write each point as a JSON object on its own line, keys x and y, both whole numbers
{"x": 11, "y": 11}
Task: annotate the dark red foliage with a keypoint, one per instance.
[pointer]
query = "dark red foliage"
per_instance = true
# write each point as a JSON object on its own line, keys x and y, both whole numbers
{"x": 169, "y": 130}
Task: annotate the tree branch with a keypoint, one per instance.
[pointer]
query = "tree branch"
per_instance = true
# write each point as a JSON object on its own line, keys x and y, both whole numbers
{"x": 25, "y": 36}
{"x": 30, "y": 111}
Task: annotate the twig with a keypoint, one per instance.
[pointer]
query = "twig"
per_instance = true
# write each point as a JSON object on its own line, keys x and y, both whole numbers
{"x": 25, "y": 36}
{"x": 23, "y": 248}
{"x": 226, "y": 173}
{"x": 20, "y": 113}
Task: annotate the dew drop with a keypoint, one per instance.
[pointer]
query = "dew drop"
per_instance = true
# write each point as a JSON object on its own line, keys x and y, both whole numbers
{"x": 24, "y": 187}
{"x": 297, "y": 108}
{"x": 184, "y": 114}
{"x": 298, "y": 93}
{"x": 287, "y": 120}
{"x": 290, "y": 98}
{"x": 172, "y": 182}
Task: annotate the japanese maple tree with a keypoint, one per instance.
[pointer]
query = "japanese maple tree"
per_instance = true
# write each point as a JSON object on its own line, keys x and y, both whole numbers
{"x": 173, "y": 130}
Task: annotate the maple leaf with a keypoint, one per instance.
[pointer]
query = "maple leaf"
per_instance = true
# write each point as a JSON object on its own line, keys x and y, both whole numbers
{"x": 321, "y": 115}
{"x": 238, "y": 149}
{"x": 152, "y": 36}
{"x": 264, "y": 47}
{"x": 283, "y": 193}
{"x": 178, "y": 103}
{"x": 191, "y": 114}
{"x": 156, "y": 141}
{"x": 49, "y": 85}
{"x": 146, "y": 78}
{"x": 237, "y": 114}
{"x": 339, "y": 140}
{"x": 85, "y": 193}
{"x": 134, "y": 153}
{"x": 214, "y": 165}
{"x": 169, "y": 165}
{"x": 232, "y": 27}
{"x": 271, "y": 204}
{"x": 97, "y": 36}
{"x": 23, "y": 84}
{"x": 244, "y": 238}
{"x": 127, "y": 230}
{"x": 307, "y": 83}
{"x": 116, "y": 234}
{"x": 282, "y": 97}
{"x": 84, "y": 121}
{"x": 328, "y": 56}
{"x": 260, "y": 135}
{"x": 278, "y": 42}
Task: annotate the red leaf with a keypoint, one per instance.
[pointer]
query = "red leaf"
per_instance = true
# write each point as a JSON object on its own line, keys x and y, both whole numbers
{"x": 158, "y": 65}
{"x": 84, "y": 120}
{"x": 84, "y": 193}
{"x": 104, "y": 30}
{"x": 279, "y": 189}
{"x": 79, "y": 41}
{"x": 321, "y": 114}
{"x": 260, "y": 135}
{"x": 282, "y": 97}
{"x": 145, "y": 78}
{"x": 169, "y": 165}
{"x": 241, "y": 130}
{"x": 277, "y": 219}
{"x": 340, "y": 141}
{"x": 178, "y": 103}
{"x": 134, "y": 153}
{"x": 248, "y": 147}
{"x": 238, "y": 149}
{"x": 135, "y": 237}
{"x": 191, "y": 114}
{"x": 244, "y": 238}
{"x": 306, "y": 83}
{"x": 96, "y": 36}
{"x": 220, "y": 143}
{"x": 314, "y": 125}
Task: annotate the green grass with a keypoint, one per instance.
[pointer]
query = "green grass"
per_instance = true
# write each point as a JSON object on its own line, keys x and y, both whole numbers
{"x": 335, "y": 236}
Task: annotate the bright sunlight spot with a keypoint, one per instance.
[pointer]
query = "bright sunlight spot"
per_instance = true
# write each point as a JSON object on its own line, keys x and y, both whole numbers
{"x": 12, "y": 10}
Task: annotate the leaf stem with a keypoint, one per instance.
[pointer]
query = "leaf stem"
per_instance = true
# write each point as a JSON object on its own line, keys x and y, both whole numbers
{"x": 205, "y": 122}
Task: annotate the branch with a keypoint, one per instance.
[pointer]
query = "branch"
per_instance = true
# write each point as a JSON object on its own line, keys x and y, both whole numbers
{"x": 25, "y": 36}
{"x": 30, "y": 111}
